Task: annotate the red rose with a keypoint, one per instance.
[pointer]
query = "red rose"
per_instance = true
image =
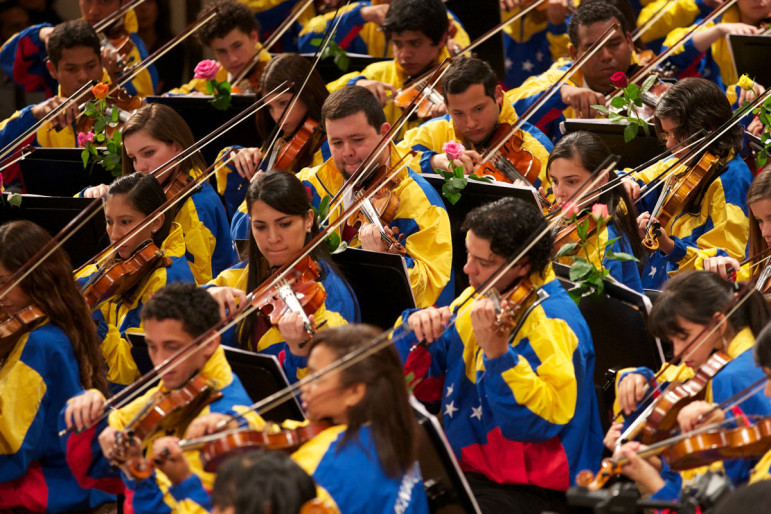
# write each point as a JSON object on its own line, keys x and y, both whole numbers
{"x": 619, "y": 79}
{"x": 310, "y": 193}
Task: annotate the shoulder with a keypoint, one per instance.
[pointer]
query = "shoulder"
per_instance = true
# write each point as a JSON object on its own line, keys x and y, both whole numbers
{"x": 47, "y": 341}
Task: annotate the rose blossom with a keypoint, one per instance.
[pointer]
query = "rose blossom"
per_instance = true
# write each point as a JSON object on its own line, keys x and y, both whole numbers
{"x": 207, "y": 69}
{"x": 619, "y": 80}
{"x": 600, "y": 211}
{"x": 85, "y": 137}
{"x": 453, "y": 150}
{"x": 569, "y": 209}
{"x": 100, "y": 91}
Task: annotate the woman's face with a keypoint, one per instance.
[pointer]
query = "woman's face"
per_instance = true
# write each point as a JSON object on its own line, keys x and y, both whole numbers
{"x": 279, "y": 103}
{"x": 147, "y": 153}
{"x": 121, "y": 217}
{"x": 761, "y": 211}
{"x": 699, "y": 353}
{"x": 278, "y": 235}
{"x": 754, "y": 11}
{"x": 567, "y": 176}
{"x": 326, "y": 397}
{"x": 15, "y": 299}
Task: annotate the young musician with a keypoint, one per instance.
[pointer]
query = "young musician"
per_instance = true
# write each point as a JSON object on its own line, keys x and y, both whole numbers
{"x": 173, "y": 319}
{"x": 575, "y": 160}
{"x": 233, "y": 37}
{"x": 154, "y": 134}
{"x": 714, "y": 221}
{"x": 587, "y": 86}
{"x": 129, "y": 201}
{"x": 281, "y": 222}
{"x": 518, "y": 402}
{"x": 41, "y": 366}
{"x": 477, "y": 110}
{"x": 418, "y": 32}
{"x": 354, "y": 122}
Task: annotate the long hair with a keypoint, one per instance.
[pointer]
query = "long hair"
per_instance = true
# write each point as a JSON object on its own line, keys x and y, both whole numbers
{"x": 163, "y": 123}
{"x": 53, "y": 290}
{"x": 592, "y": 151}
{"x": 696, "y": 296}
{"x": 292, "y": 68}
{"x": 760, "y": 189}
{"x": 385, "y": 404}
{"x": 145, "y": 194}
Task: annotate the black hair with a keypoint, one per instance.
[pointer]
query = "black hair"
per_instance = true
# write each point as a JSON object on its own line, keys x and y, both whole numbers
{"x": 748, "y": 499}
{"x": 231, "y": 15}
{"x": 464, "y": 72}
{"x": 351, "y": 100}
{"x": 71, "y": 34}
{"x": 507, "y": 223}
{"x": 262, "y": 482}
{"x": 425, "y": 16}
{"x": 145, "y": 194}
{"x": 592, "y": 12}
{"x": 186, "y": 303}
{"x": 763, "y": 348}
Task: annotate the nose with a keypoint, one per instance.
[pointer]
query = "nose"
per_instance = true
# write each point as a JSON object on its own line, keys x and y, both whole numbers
{"x": 273, "y": 235}
{"x": 468, "y": 268}
{"x": 141, "y": 166}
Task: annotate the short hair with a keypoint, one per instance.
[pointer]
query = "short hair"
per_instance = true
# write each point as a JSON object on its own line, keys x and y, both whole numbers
{"x": 464, "y": 72}
{"x": 592, "y": 12}
{"x": 71, "y": 34}
{"x": 350, "y": 100}
{"x": 425, "y": 16}
{"x": 231, "y": 15}
{"x": 508, "y": 223}
{"x": 186, "y": 303}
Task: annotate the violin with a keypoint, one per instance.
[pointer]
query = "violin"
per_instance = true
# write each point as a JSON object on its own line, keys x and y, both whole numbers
{"x": 14, "y": 325}
{"x": 120, "y": 277}
{"x": 430, "y": 97}
{"x": 119, "y": 99}
{"x": 568, "y": 234}
{"x": 518, "y": 299}
{"x": 300, "y": 147}
{"x": 511, "y": 162}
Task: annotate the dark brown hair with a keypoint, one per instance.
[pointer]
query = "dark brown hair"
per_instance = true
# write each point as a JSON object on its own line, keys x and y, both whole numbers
{"x": 53, "y": 290}
{"x": 385, "y": 404}
{"x": 231, "y": 15}
{"x": 464, "y": 72}
{"x": 350, "y": 100}
{"x": 72, "y": 34}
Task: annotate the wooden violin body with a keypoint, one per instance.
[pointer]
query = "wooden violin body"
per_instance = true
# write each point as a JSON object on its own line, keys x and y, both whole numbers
{"x": 300, "y": 147}
{"x": 569, "y": 232}
{"x": 303, "y": 284}
{"x": 430, "y": 97}
{"x": 511, "y": 162}
{"x": 518, "y": 299}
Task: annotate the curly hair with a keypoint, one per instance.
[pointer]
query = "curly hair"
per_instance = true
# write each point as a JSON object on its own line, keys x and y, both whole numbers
{"x": 428, "y": 17}
{"x": 231, "y": 15}
{"x": 592, "y": 12}
{"x": 186, "y": 303}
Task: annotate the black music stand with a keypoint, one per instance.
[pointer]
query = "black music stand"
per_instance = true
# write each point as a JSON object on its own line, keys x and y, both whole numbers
{"x": 475, "y": 194}
{"x": 639, "y": 150}
{"x": 203, "y": 118}
{"x": 380, "y": 282}
{"x": 53, "y": 214}
{"x": 446, "y": 487}
{"x": 356, "y": 62}
{"x": 260, "y": 374}
{"x": 60, "y": 172}
{"x": 751, "y": 55}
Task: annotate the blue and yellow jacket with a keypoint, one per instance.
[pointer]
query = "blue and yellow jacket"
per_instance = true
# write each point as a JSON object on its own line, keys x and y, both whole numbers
{"x": 354, "y": 35}
{"x": 232, "y": 187}
{"x": 271, "y": 13}
{"x": 340, "y": 307}
{"x": 117, "y": 317}
{"x": 421, "y": 217}
{"x": 389, "y": 72}
{"x": 352, "y": 475}
{"x": 531, "y": 45}
{"x": 739, "y": 373}
{"x": 23, "y": 58}
{"x": 428, "y": 139}
{"x": 719, "y": 225}
{"x": 678, "y": 13}
{"x": 39, "y": 376}
{"x": 154, "y": 494}
{"x": 527, "y": 417}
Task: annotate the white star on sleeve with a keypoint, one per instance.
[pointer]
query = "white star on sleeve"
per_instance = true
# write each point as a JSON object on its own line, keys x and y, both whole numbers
{"x": 450, "y": 409}
{"x": 476, "y": 412}
{"x": 450, "y": 390}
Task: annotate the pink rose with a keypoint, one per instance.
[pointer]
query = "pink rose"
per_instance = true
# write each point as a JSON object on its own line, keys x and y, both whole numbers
{"x": 207, "y": 69}
{"x": 619, "y": 80}
{"x": 85, "y": 137}
{"x": 453, "y": 150}
{"x": 569, "y": 209}
{"x": 600, "y": 211}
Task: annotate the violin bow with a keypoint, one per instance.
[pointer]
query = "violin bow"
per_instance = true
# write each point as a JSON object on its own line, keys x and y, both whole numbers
{"x": 736, "y": 399}
{"x": 116, "y": 15}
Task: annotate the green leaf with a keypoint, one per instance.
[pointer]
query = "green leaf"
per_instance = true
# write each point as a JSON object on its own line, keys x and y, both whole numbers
{"x": 633, "y": 91}
{"x": 762, "y": 159}
{"x": 115, "y": 114}
{"x": 610, "y": 242}
{"x": 444, "y": 173}
{"x": 100, "y": 125}
{"x": 84, "y": 155}
{"x": 582, "y": 229}
{"x": 638, "y": 102}
{"x": 580, "y": 270}
{"x": 316, "y": 41}
{"x": 620, "y": 256}
{"x": 649, "y": 82}
{"x": 324, "y": 206}
{"x": 459, "y": 183}
{"x": 451, "y": 197}
{"x": 618, "y": 102}
{"x": 92, "y": 149}
{"x": 566, "y": 249}
{"x": 476, "y": 177}
{"x": 333, "y": 241}
{"x": 99, "y": 138}
{"x": 601, "y": 108}
{"x": 630, "y": 132}
{"x": 342, "y": 61}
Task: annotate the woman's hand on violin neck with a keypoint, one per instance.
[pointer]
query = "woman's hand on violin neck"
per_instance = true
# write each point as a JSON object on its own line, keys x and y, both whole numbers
{"x": 631, "y": 390}
{"x": 688, "y": 417}
{"x": 581, "y": 100}
{"x": 756, "y": 127}
{"x": 99, "y": 191}
{"x": 428, "y": 324}
{"x": 205, "y": 425}
{"x": 228, "y": 298}
{"x": 292, "y": 328}
{"x": 490, "y": 338}
{"x": 131, "y": 448}
{"x": 170, "y": 460}
{"x": 83, "y": 410}
{"x": 726, "y": 267}
{"x": 612, "y": 436}
{"x": 646, "y": 473}
{"x": 246, "y": 161}
{"x": 468, "y": 160}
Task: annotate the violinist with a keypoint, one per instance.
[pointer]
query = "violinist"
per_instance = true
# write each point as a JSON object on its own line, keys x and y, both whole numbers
{"x": 762, "y": 470}
{"x": 41, "y": 365}
{"x": 476, "y": 111}
{"x": 518, "y": 404}
{"x": 418, "y": 32}
{"x": 154, "y": 134}
{"x": 281, "y": 222}
{"x": 233, "y": 37}
{"x": 686, "y": 305}
{"x": 173, "y": 318}
{"x": 302, "y": 121}
{"x": 572, "y": 162}
{"x": 589, "y": 85}
{"x": 354, "y": 122}
{"x": 714, "y": 222}
{"x": 129, "y": 201}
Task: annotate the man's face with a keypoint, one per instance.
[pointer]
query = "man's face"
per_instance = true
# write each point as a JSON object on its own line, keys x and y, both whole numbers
{"x": 94, "y": 11}
{"x": 482, "y": 263}
{"x": 615, "y": 55}
{"x": 235, "y": 50}
{"x": 77, "y": 66}
{"x": 473, "y": 113}
{"x": 414, "y": 51}
{"x": 351, "y": 139}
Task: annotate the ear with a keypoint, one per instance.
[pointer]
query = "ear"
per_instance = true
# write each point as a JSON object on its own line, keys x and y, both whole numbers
{"x": 498, "y": 95}
{"x": 254, "y": 35}
{"x": 573, "y": 52}
{"x": 443, "y": 41}
{"x": 211, "y": 347}
{"x": 157, "y": 223}
{"x": 384, "y": 128}
{"x": 309, "y": 220}
{"x": 525, "y": 267}
{"x": 51, "y": 69}
{"x": 355, "y": 394}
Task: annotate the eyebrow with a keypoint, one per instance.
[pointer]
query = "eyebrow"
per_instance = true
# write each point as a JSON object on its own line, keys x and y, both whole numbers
{"x": 277, "y": 219}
